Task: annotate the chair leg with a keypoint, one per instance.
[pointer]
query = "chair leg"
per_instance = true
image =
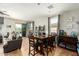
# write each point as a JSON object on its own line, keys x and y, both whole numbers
{"x": 47, "y": 48}
{"x": 47, "y": 51}
{"x": 34, "y": 52}
{"x": 29, "y": 51}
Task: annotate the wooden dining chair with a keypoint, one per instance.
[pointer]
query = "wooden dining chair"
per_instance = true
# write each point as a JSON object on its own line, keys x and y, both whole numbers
{"x": 53, "y": 42}
{"x": 49, "y": 44}
{"x": 32, "y": 46}
{"x": 46, "y": 45}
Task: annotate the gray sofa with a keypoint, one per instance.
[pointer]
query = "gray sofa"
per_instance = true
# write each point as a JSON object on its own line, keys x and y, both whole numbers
{"x": 12, "y": 45}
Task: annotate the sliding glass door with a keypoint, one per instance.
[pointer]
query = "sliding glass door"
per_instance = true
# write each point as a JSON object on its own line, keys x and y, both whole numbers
{"x": 23, "y": 28}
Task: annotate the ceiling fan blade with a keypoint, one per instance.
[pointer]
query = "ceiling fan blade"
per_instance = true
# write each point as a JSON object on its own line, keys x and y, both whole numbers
{"x": 3, "y": 13}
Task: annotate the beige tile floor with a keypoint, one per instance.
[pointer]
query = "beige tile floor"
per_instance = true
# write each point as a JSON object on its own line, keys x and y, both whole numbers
{"x": 24, "y": 51}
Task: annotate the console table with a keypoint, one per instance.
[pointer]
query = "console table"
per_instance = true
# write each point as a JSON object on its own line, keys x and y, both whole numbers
{"x": 68, "y": 42}
{"x": 78, "y": 48}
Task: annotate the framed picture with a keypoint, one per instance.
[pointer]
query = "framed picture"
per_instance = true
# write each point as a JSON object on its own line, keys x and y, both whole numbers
{"x": 8, "y": 26}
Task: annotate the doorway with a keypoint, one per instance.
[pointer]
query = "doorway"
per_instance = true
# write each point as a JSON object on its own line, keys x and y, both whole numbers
{"x": 23, "y": 29}
{"x": 18, "y": 30}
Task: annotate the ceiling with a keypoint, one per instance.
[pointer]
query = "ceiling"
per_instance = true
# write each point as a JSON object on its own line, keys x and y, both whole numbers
{"x": 27, "y": 11}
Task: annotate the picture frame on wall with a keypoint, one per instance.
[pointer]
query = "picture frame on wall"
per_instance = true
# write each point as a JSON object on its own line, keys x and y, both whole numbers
{"x": 8, "y": 26}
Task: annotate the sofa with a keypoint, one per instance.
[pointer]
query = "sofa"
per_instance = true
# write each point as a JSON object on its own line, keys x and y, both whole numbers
{"x": 12, "y": 45}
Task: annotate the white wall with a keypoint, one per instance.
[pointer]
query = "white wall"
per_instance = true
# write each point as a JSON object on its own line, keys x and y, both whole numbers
{"x": 5, "y": 29}
{"x": 41, "y": 21}
{"x": 68, "y": 21}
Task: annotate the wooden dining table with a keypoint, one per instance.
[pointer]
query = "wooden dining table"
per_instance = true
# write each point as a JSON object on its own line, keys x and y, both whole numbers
{"x": 39, "y": 40}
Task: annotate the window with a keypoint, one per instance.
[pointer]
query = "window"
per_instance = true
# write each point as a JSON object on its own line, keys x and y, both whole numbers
{"x": 53, "y": 24}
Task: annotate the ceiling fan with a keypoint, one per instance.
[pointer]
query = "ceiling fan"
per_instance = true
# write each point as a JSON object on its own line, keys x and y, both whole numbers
{"x": 4, "y": 13}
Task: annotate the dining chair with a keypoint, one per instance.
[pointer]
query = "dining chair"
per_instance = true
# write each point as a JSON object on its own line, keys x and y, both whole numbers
{"x": 32, "y": 46}
{"x": 50, "y": 47}
{"x": 47, "y": 45}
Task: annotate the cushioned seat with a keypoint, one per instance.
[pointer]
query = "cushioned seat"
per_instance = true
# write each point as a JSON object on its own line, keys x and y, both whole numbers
{"x": 12, "y": 45}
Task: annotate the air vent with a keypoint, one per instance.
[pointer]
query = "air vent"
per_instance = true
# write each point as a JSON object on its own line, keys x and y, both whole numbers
{"x": 38, "y": 3}
{"x": 50, "y": 7}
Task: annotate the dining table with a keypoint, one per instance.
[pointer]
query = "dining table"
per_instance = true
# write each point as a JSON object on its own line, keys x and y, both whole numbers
{"x": 40, "y": 41}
